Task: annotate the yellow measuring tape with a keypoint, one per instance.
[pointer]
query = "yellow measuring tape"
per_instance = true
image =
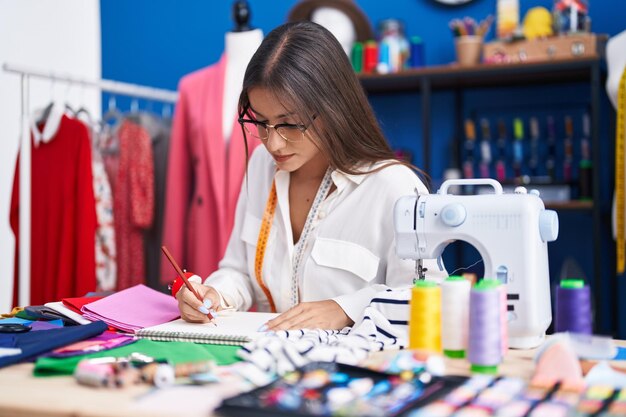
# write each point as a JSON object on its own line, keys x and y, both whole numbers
{"x": 261, "y": 244}
{"x": 620, "y": 204}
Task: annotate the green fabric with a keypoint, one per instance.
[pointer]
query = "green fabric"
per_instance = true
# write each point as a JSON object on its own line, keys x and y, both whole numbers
{"x": 27, "y": 316}
{"x": 175, "y": 352}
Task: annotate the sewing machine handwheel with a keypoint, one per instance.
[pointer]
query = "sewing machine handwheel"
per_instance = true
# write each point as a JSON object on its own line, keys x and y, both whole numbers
{"x": 548, "y": 225}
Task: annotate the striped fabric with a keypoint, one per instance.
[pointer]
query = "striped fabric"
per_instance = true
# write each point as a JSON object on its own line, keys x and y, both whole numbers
{"x": 383, "y": 326}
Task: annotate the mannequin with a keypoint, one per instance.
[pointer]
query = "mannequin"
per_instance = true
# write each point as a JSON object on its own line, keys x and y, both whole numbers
{"x": 240, "y": 45}
{"x": 338, "y": 23}
{"x": 206, "y": 158}
{"x": 616, "y": 65}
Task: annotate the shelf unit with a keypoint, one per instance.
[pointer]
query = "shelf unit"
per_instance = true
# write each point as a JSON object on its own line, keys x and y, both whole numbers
{"x": 455, "y": 78}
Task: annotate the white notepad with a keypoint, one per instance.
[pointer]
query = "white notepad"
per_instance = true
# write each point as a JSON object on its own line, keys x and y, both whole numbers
{"x": 233, "y": 328}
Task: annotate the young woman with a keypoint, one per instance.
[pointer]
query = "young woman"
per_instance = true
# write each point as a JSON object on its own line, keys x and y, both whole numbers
{"x": 313, "y": 237}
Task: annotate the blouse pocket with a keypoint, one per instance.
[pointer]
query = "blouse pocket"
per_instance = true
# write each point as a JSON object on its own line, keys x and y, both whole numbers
{"x": 250, "y": 230}
{"x": 347, "y": 256}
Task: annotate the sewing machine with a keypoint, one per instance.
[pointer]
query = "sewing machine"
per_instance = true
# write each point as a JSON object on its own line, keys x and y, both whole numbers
{"x": 510, "y": 231}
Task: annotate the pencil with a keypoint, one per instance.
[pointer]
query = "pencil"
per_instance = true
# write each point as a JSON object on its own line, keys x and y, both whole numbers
{"x": 184, "y": 278}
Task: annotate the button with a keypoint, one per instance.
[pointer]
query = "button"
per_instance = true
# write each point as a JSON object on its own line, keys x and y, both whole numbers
{"x": 453, "y": 214}
{"x": 199, "y": 201}
{"x": 321, "y": 214}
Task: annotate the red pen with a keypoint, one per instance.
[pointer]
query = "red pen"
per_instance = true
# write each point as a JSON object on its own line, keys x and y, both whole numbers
{"x": 183, "y": 277}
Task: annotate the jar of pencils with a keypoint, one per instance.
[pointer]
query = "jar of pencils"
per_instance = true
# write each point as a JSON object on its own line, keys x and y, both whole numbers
{"x": 469, "y": 49}
{"x": 468, "y": 39}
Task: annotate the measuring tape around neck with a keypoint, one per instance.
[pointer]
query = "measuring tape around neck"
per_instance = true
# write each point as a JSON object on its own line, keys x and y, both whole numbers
{"x": 620, "y": 203}
{"x": 261, "y": 244}
{"x": 264, "y": 233}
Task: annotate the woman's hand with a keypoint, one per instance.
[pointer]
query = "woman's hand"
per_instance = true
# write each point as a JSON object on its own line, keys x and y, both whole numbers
{"x": 193, "y": 310}
{"x": 325, "y": 314}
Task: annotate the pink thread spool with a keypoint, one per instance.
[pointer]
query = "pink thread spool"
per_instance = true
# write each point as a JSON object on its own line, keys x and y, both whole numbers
{"x": 504, "y": 320}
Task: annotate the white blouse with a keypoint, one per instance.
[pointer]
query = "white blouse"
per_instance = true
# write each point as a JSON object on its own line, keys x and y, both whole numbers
{"x": 350, "y": 251}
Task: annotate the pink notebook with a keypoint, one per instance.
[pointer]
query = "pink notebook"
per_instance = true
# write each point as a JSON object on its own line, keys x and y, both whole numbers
{"x": 133, "y": 309}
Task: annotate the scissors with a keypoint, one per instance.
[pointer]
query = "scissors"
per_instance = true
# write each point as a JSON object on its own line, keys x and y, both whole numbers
{"x": 14, "y": 328}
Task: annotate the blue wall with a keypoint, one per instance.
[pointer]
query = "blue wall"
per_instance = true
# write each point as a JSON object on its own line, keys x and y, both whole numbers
{"x": 156, "y": 42}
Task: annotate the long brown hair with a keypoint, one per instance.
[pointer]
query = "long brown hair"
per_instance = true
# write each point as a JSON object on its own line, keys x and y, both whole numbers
{"x": 304, "y": 65}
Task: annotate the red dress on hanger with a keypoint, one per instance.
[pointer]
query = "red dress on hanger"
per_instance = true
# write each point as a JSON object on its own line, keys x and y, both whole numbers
{"x": 63, "y": 216}
{"x": 131, "y": 173}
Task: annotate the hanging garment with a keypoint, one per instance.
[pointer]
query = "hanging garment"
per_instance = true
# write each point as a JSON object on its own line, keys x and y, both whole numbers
{"x": 131, "y": 174}
{"x": 159, "y": 130}
{"x": 204, "y": 175}
{"x": 106, "y": 263}
{"x": 63, "y": 216}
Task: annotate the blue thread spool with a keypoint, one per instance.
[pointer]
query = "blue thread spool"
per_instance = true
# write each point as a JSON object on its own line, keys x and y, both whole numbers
{"x": 384, "y": 63}
{"x": 573, "y": 307}
{"x": 485, "y": 344}
{"x": 416, "y": 54}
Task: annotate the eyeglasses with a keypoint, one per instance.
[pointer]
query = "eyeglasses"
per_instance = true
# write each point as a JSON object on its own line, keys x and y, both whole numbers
{"x": 261, "y": 130}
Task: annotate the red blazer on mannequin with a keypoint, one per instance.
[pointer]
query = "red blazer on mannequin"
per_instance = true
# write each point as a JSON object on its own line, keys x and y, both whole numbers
{"x": 204, "y": 175}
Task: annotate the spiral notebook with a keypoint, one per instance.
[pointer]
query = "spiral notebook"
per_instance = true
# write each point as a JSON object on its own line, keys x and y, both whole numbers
{"x": 233, "y": 328}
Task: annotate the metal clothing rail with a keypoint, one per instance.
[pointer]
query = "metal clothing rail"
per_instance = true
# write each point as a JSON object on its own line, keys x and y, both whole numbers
{"x": 115, "y": 87}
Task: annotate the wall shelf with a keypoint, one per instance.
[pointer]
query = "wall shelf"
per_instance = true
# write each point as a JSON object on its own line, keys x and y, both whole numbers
{"x": 457, "y": 79}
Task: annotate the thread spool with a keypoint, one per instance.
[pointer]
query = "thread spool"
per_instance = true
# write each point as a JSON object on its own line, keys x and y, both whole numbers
{"x": 416, "y": 54}
{"x": 585, "y": 179}
{"x": 105, "y": 372}
{"x": 384, "y": 65}
{"x": 357, "y": 57}
{"x": 573, "y": 307}
{"x": 371, "y": 57}
{"x": 455, "y": 300}
{"x": 485, "y": 345}
{"x": 425, "y": 317}
{"x": 163, "y": 374}
{"x": 94, "y": 374}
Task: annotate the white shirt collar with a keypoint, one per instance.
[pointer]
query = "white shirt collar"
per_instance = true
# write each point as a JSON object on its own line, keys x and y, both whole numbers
{"x": 51, "y": 126}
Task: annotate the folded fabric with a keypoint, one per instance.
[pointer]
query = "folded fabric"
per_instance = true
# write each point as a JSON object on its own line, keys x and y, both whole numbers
{"x": 47, "y": 313}
{"x": 105, "y": 341}
{"x": 173, "y": 352}
{"x": 46, "y": 325}
{"x": 383, "y": 326}
{"x": 35, "y": 343}
{"x": 7, "y": 340}
{"x": 65, "y": 311}
{"x": 76, "y": 303}
{"x": 134, "y": 308}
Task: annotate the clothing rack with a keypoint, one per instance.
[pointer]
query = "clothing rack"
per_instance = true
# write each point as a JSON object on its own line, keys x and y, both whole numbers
{"x": 26, "y": 73}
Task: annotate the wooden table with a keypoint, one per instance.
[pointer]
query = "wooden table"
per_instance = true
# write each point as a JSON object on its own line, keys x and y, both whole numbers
{"x": 21, "y": 394}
